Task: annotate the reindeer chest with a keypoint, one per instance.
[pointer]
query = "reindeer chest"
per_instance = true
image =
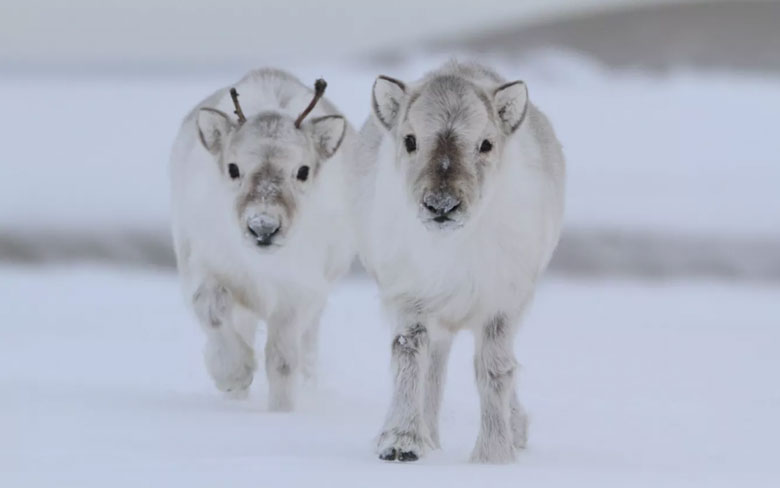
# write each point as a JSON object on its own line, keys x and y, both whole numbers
{"x": 459, "y": 282}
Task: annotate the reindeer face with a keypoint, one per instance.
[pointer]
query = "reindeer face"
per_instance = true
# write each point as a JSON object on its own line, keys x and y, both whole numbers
{"x": 449, "y": 135}
{"x": 269, "y": 166}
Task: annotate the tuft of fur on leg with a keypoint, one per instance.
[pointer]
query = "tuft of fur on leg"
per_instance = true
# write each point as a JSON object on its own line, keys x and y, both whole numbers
{"x": 405, "y": 435}
{"x": 495, "y": 365}
{"x": 213, "y": 304}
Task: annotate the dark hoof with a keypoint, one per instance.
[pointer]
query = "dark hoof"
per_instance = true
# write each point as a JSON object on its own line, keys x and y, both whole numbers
{"x": 388, "y": 455}
{"x": 407, "y": 456}
{"x": 393, "y": 454}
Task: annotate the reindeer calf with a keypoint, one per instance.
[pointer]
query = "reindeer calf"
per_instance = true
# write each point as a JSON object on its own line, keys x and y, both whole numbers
{"x": 460, "y": 203}
{"x": 259, "y": 225}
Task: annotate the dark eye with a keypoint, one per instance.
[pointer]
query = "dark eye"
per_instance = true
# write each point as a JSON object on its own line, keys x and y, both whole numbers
{"x": 486, "y": 146}
{"x": 233, "y": 171}
{"x": 303, "y": 173}
{"x": 411, "y": 143}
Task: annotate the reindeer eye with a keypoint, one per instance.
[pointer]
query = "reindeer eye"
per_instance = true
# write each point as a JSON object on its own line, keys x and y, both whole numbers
{"x": 486, "y": 146}
{"x": 411, "y": 143}
{"x": 233, "y": 171}
{"x": 303, "y": 173}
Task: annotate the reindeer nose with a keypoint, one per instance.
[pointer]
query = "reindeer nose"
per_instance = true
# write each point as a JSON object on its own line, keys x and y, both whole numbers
{"x": 441, "y": 204}
{"x": 263, "y": 228}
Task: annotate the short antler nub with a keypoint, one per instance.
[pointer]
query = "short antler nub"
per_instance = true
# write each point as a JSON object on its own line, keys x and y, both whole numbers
{"x": 319, "y": 90}
{"x": 239, "y": 113}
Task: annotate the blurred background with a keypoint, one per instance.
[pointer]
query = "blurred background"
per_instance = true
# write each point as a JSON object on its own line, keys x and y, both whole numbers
{"x": 651, "y": 352}
{"x": 665, "y": 108}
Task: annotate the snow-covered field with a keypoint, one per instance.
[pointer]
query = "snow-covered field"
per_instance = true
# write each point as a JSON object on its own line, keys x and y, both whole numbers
{"x": 628, "y": 384}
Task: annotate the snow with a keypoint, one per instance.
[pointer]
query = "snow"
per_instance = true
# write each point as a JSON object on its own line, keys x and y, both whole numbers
{"x": 627, "y": 384}
{"x": 686, "y": 153}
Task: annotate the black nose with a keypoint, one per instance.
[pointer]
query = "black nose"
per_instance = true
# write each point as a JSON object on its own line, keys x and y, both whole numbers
{"x": 441, "y": 205}
{"x": 263, "y": 229}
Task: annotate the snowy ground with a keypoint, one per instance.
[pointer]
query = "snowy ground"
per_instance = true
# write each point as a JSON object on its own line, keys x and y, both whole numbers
{"x": 628, "y": 384}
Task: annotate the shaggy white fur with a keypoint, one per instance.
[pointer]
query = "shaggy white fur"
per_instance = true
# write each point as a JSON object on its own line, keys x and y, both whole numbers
{"x": 459, "y": 202}
{"x": 261, "y": 226}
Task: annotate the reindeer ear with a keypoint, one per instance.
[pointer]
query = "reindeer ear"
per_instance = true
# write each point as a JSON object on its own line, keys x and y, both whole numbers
{"x": 213, "y": 128}
{"x": 327, "y": 133}
{"x": 511, "y": 101}
{"x": 386, "y": 99}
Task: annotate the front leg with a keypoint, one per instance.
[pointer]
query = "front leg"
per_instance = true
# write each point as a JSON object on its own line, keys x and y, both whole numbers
{"x": 438, "y": 354}
{"x": 405, "y": 434}
{"x": 495, "y": 365}
{"x": 229, "y": 358}
{"x": 282, "y": 360}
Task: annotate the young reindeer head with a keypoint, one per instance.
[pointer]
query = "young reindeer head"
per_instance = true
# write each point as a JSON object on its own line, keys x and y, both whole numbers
{"x": 449, "y": 134}
{"x": 269, "y": 163}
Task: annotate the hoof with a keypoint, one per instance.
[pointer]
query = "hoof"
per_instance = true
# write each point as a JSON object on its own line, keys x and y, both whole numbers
{"x": 393, "y": 454}
{"x": 231, "y": 364}
{"x": 235, "y": 383}
{"x": 404, "y": 446}
{"x": 237, "y": 394}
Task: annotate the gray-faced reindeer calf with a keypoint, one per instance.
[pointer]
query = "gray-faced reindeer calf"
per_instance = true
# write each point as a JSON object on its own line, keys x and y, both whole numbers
{"x": 259, "y": 224}
{"x": 459, "y": 206}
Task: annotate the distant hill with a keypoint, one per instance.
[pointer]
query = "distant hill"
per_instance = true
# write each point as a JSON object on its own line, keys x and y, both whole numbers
{"x": 736, "y": 35}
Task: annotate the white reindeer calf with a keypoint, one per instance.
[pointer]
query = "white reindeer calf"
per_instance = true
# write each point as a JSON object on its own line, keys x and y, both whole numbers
{"x": 259, "y": 225}
{"x": 460, "y": 191}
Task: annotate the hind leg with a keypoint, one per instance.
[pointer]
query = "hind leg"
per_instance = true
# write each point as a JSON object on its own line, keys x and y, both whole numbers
{"x": 229, "y": 357}
{"x": 309, "y": 348}
{"x": 438, "y": 354}
{"x": 495, "y": 366}
{"x": 309, "y": 353}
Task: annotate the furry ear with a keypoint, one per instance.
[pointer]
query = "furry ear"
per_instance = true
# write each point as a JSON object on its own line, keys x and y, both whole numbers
{"x": 327, "y": 133}
{"x": 213, "y": 128}
{"x": 511, "y": 101}
{"x": 386, "y": 99}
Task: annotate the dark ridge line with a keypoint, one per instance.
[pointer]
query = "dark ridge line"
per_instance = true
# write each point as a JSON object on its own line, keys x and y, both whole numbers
{"x": 581, "y": 252}
{"x": 736, "y": 36}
